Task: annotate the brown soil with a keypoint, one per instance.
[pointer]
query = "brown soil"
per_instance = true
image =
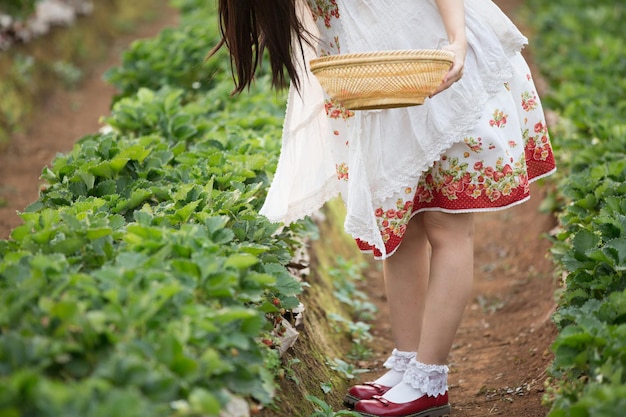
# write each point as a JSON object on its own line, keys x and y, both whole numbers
{"x": 501, "y": 352}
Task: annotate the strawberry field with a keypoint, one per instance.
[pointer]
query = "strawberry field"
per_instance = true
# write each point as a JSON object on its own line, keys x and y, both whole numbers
{"x": 579, "y": 46}
{"x": 144, "y": 282}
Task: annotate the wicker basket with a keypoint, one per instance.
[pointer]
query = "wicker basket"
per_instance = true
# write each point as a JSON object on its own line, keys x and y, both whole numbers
{"x": 381, "y": 80}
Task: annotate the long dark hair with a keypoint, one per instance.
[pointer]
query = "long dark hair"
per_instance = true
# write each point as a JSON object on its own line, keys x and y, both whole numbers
{"x": 250, "y": 26}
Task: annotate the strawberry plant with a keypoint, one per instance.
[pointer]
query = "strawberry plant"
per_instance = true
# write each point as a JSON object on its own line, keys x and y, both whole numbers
{"x": 579, "y": 49}
{"x": 174, "y": 58}
{"x": 143, "y": 281}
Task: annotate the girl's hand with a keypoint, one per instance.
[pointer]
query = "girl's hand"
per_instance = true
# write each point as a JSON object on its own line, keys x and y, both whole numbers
{"x": 453, "y": 16}
{"x": 456, "y": 71}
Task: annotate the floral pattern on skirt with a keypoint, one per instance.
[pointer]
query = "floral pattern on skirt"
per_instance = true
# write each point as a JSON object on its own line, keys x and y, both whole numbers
{"x": 490, "y": 169}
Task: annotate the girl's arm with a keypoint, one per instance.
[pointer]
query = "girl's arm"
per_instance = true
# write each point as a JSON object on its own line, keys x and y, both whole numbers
{"x": 453, "y": 15}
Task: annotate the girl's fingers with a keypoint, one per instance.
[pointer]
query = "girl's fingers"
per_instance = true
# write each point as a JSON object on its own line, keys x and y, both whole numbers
{"x": 448, "y": 80}
{"x": 454, "y": 75}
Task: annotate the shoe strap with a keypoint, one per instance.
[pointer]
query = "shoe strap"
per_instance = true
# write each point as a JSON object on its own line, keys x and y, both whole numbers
{"x": 376, "y": 386}
{"x": 381, "y": 400}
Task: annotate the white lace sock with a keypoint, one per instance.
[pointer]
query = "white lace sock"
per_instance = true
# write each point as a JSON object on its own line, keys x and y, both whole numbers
{"x": 397, "y": 364}
{"x": 419, "y": 379}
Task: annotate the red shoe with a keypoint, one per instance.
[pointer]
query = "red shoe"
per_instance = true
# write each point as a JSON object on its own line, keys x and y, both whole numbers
{"x": 422, "y": 407}
{"x": 364, "y": 391}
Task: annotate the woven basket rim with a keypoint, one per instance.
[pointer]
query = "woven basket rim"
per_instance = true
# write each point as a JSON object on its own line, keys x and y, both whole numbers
{"x": 365, "y": 58}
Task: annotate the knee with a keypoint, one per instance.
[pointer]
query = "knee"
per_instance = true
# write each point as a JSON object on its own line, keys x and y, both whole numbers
{"x": 448, "y": 228}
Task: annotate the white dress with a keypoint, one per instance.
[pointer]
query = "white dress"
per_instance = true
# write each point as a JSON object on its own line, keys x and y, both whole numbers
{"x": 473, "y": 147}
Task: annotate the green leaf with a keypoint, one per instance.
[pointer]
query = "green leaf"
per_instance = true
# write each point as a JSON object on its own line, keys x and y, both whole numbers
{"x": 222, "y": 284}
{"x": 203, "y": 402}
{"x": 588, "y": 202}
{"x": 88, "y": 178}
{"x": 241, "y": 261}
{"x": 262, "y": 280}
{"x": 184, "y": 213}
{"x": 67, "y": 246}
{"x": 135, "y": 152}
{"x": 618, "y": 250}
{"x": 584, "y": 241}
{"x": 136, "y": 198}
{"x": 184, "y": 366}
{"x": 97, "y": 233}
{"x": 285, "y": 283}
{"x": 215, "y": 224}
{"x": 228, "y": 315}
{"x": 223, "y": 236}
{"x": 65, "y": 310}
{"x": 600, "y": 255}
{"x": 268, "y": 307}
{"x": 110, "y": 168}
{"x": 290, "y": 302}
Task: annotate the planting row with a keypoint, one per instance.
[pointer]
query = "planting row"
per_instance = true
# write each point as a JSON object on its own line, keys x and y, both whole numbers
{"x": 43, "y": 61}
{"x": 143, "y": 282}
{"x": 580, "y": 49}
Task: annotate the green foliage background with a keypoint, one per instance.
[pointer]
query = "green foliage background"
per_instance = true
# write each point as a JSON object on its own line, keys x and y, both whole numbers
{"x": 30, "y": 72}
{"x": 17, "y": 8}
{"x": 579, "y": 47}
{"x": 143, "y": 280}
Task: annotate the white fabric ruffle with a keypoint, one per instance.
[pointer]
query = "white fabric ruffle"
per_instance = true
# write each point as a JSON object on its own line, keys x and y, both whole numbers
{"x": 399, "y": 360}
{"x": 429, "y": 379}
{"x": 389, "y": 149}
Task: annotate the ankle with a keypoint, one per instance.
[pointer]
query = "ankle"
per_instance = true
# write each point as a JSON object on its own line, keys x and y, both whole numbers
{"x": 396, "y": 365}
{"x": 419, "y": 380}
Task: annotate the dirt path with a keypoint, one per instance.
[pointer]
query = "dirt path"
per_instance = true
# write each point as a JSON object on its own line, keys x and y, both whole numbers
{"x": 502, "y": 349}
{"x": 501, "y": 352}
{"x": 61, "y": 120}
{"x": 498, "y": 361}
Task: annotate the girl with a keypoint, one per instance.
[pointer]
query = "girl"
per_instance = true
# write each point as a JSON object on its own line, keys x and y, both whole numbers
{"x": 411, "y": 178}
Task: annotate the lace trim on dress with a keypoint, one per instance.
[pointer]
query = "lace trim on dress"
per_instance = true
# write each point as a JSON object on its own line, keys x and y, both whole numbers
{"x": 492, "y": 68}
{"x": 307, "y": 206}
{"x": 399, "y": 360}
{"x": 383, "y": 163}
{"x": 430, "y": 379}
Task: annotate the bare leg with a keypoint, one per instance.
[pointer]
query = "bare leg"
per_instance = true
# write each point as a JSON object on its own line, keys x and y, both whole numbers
{"x": 406, "y": 281}
{"x": 427, "y": 295}
{"x": 451, "y": 274}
